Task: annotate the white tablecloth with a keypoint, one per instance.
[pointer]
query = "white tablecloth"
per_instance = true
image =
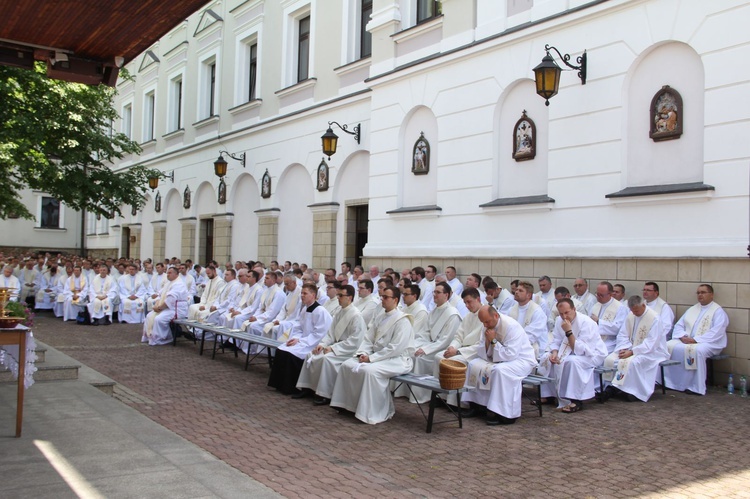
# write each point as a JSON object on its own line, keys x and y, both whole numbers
{"x": 9, "y": 357}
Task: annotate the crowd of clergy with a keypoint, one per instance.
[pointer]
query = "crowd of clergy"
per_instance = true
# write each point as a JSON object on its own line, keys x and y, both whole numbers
{"x": 344, "y": 334}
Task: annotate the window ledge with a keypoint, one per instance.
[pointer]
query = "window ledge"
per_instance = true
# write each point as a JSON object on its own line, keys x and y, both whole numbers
{"x": 426, "y": 211}
{"x": 418, "y": 30}
{"x": 103, "y": 234}
{"x": 175, "y": 133}
{"x": 54, "y": 229}
{"x": 252, "y": 104}
{"x": 660, "y": 194}
{"x": 206, "y": 121}
{"x": 148, "y": 143}
{"x": 519, "y": 204}
{"x": 353, "y": 66}
{"x": 297, "y": 87}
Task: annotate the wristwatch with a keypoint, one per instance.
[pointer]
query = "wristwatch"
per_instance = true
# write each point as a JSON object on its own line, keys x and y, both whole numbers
{"x": 568, "y": 334}
{"x": 494, "y": 341}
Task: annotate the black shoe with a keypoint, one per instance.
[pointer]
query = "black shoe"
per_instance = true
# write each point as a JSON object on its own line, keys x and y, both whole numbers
{"x": 608, "y": 393}
{"x": 630, "y": 398}
{"x": 471, "y": 412}
{"x": 321, "y": 400}
{"x": 300, "y": 394}
{"x": 496, "y": 419}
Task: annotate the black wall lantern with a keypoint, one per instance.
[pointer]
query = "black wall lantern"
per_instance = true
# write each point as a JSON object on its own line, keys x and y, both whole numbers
{"x": 220, "y": 165}
{"x": 330, "y": 139}
{"x": 547, "y": 73}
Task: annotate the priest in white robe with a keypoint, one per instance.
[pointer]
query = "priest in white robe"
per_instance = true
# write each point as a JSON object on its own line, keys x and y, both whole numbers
{"x": 27, "y": 279}
{"x": 503, "y": 357}
{"x": 662, "y": 308}
{"x": 442, "y": 324}
{"x": 461, "y": 348}
{"x": 582, "y": 294}
{"x": 531, "y": 317}
{"x": 172, "y": 304}
{"x": 560, "y": 293}
{"x": 290, "y": 357}
{"x": 367, "y": 303}
{"x": 545, "y": 297}
{"x": 289, "y": 315}
{"x": 271, "y": 302}
{"x": 453, "y": 281}
{"x": 341, "y": 342}
{"x": 133, "y": 291}
{"x": 498, "y": 297}
{"x": 102, "y": 291}
{"x": 641, "y": 346}
{"x": 700, "y": 333}
{"x": 10, "y": 281}
{"x": 362, "y": 385}
{"x": 156, "y": 285}
{"x": 228, "y": 299}
{"x": 333, "y": 289}
{"x": 214, "y": 285}
{"x": 46, "y": 289}
{"x": 609, "y": 314}
{"x": 189, "y": 281}
{"x": 75, "y": 294}
{"x": 576, "y": 349}
{"x": 249, "y": 300}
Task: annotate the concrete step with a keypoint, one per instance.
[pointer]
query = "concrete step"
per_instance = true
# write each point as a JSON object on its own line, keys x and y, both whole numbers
{"x": 41, "y": 354}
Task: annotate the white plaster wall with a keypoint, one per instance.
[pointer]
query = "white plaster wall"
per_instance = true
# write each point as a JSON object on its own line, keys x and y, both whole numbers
{"x": 295, "y": 220}
{"x": 245, "y": 200}
{"x": 147, "y": 229}
{"x": 349, "y": 183}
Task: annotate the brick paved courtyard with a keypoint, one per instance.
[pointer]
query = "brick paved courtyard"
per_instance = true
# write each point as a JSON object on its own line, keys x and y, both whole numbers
{"x": 676, "y": 445}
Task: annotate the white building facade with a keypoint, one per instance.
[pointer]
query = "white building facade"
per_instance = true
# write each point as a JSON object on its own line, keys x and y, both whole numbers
{"x": 448, "y": 169}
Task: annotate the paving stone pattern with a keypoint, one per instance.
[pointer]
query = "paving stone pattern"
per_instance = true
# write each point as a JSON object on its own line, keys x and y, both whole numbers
{"x": 674, "y": 446}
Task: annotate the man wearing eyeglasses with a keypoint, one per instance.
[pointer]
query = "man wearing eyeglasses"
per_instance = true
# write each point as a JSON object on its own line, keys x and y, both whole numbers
{"x": 700, "y": 333}
{"x": 662, "y": 308}
{"x": 362, "y": 385}
{"x": 339, "y": 345}
{"x": 582, "y": 294}
{"x": 333, "y": 289}
{"x": 367, "y": 303}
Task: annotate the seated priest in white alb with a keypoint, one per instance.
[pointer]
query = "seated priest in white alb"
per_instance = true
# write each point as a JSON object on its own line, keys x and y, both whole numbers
{"x": 228, "y": 298}
{"x": 289, "y": 315}
{"x": 454, "y": 300}
{"x": 582, "y": 294}
{"x": 662, "y": 308}
{"x": 189, "y": 281}
{"x": 367, "y": 303}
{"x": 156, "y": 285}
{"x": 503, "y": 357}
{"x": 102, "y": 291}
{"x": 442, "y": 324}
{"x": 474, "y": 281}
{"x": 641, "y": 346}
{"x": 172, "y": 304}
{"x": 576, "y": 349}
{"x": 8, "y": 280}
{"x": 560, "y": 293}
{"x": 214, "y": 285}
{"x": 76, "y": 293}
{"x": 498, "y": 297}
{"x": 363, "y": 383}
{"x": 453, "y": 281}
{"x": 531, "y": 317}
{"x": 313, "y": 325}
{"x": 27, "y": 279}
{"x": 133, "y": 290}
{"x": 271, "y": 302}
{"x": 333, "y": 289}
{"x": 545, "y": 297}
{"x": 46, "y": 289}
{"x": 609, "y": 314}
{"x": 249, "y": 300}
{"x": 413, "y": 305}
{"x": 342, "y": 340}
{"x": 461, "y": 348}
{"x": 699, "y": 334}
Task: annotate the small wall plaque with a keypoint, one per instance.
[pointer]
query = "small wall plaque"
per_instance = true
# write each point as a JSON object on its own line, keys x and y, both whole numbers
{"x": 666, "y": 115}
{"x": 420, "y": 164}
{"x": 524, "y": 138}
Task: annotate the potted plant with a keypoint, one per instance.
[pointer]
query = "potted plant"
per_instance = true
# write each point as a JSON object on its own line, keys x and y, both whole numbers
{"x": 21, "y": 311}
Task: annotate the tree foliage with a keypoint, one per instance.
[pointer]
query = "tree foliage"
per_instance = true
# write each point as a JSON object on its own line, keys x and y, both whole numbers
{"x": 56, "y": 137}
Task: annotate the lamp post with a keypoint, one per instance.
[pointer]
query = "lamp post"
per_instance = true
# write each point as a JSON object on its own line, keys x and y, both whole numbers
{"x": 330, "y": 139}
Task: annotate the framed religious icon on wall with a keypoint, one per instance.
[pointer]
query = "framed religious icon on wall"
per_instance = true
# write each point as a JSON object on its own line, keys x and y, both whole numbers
{"x": 265, "y": 185}
{"x": 666, "y": 115}
{"x": 420, "y": 159}
{"x": 157, "y": 202}
{"x": 323, "y": 176}
{"x": 222, "y": 192}
{"x": 524, "y": 138}
{"x": 133, "y": 210}
{"x": 186, "y": 198}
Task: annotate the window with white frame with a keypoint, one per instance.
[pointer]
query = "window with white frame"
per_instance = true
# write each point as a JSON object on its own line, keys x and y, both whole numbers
{"x": 427, "y": 9}
{"x": 252, "y": 71}
{"x": 127, "y": 120}
{"x": 208, "y": 101}
{"x": 365, "y": 37}
{"x": 49, "y": 216}
{"x": 175, "y": 104}
{"x": 149, "y": 115}
{"x": 303, "y": 48}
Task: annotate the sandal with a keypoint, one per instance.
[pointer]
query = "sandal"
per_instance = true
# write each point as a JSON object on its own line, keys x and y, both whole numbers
{"x": 572, "y": 407}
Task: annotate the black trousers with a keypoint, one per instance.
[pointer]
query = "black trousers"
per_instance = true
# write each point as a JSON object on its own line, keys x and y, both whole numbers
{"x": 285, "y": 372}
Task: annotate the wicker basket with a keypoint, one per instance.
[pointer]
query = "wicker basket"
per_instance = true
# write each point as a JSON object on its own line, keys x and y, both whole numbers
{"x": 452, "y": 374}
